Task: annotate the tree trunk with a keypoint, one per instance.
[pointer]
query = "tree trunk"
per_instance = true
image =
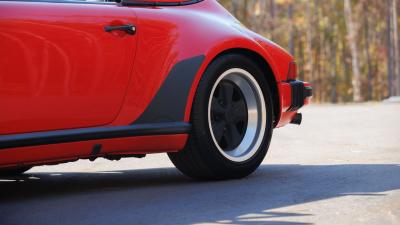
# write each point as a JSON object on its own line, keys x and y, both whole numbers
{"x": 356, "y": 79}
{"x": 389, "y": 48}
{"x": 396, "y": 48}
{"x": 367, "y": 38}
{"x": 245, "y": 13}
{"x": 291, "y": 28}
{"x": 272, "y": 11}
{"x": 310, "y": 63}
{"x": 235, "y": 8}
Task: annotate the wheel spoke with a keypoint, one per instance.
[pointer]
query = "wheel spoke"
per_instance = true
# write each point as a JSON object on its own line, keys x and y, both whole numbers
{"x": 218, "y": 130}
{"x": 216, "y": 108}
{"x": 236, "y": 137}
{"x": 226, "y": 90}
{"x": 232, "y": 137}
{"x": 239, "y": 111}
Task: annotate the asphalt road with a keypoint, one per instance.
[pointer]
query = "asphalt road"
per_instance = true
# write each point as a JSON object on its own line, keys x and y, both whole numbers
{"x": 342, "y": 166}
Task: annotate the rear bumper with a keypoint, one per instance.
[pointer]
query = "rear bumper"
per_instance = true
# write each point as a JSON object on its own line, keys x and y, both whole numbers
{"x": 294, "y": 94}
{"x": 301, "y": 93}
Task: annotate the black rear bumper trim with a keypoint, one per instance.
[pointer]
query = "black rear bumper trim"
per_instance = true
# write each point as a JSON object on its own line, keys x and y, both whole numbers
{"x": 299, "y": 94}
{"x": 308, "y": 92}
{"x": 86, "y": 134}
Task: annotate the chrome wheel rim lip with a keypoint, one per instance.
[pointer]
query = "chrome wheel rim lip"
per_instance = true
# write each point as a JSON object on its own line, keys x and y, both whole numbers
{"x": 256, "y": 121}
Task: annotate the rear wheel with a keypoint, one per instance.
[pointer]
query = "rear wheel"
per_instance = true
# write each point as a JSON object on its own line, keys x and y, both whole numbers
{"x": 232, "y": 119}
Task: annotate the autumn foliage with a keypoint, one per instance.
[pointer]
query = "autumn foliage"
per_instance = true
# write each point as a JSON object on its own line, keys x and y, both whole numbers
{"x": 348, "y": 49}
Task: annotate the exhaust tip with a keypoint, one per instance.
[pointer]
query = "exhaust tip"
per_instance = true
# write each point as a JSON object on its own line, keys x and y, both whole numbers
{"x": 297, "y": 119}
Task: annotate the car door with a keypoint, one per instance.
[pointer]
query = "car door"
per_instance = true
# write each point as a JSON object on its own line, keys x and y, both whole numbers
{"x": 63, "y": 64}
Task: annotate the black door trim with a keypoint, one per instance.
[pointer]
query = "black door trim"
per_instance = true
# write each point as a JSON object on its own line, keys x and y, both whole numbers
{"x": 86, "y": 134}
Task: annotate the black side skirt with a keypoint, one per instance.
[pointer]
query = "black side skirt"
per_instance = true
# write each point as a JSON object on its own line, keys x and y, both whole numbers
{"x": 86, "y": 134}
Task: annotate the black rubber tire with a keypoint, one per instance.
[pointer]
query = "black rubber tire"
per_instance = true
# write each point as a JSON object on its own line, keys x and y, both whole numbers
{"x": 200, "y": 159}
{"x": 14, "y": 171}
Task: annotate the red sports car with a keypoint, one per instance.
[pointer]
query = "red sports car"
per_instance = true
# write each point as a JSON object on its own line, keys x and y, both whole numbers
{"x": 87, "y": 79}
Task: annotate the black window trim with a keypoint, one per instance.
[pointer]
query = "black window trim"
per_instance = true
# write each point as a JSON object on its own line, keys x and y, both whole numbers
{"x": 64, "y": 1}
{"x": 116, "y": 2}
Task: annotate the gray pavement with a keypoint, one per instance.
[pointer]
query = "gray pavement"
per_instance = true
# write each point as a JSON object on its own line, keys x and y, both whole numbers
{"x": 342, "y": 166}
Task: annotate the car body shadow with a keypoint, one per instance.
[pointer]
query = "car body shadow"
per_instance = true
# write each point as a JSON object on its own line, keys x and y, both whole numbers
{"x": 164, "y": 196}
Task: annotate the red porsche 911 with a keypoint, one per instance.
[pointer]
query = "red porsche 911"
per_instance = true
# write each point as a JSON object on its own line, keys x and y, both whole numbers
{"x": 87, "y": 79}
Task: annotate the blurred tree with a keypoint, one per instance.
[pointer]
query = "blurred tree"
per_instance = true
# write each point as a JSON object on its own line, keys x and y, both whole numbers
{"x": 396, "y": 48}
{"x": 351, "y": 31}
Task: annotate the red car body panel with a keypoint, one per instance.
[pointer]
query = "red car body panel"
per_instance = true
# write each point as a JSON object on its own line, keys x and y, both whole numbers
{"x": 60, "y": 70}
